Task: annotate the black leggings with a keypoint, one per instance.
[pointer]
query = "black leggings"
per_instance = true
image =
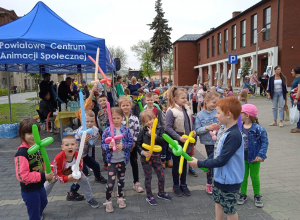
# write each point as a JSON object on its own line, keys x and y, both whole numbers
{"x": 175, "y": 174}
{"x": 195, "y": 106}
{"x": 93, "y": 164}
{"x": 115, "y": 170}
{"x": 134, "y": 165}
{"x": 209, "y": 150}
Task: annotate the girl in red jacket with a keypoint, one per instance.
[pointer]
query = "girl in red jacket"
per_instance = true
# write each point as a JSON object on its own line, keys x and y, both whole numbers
{"x": 30, "y": 171}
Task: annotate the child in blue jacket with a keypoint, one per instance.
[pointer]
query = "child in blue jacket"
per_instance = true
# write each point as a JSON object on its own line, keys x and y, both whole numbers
{"x": 256, "y": 146}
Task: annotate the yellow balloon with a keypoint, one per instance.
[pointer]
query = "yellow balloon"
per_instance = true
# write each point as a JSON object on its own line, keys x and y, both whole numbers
{"x": 152, "y": 147}
{"x": 189, "y": 139}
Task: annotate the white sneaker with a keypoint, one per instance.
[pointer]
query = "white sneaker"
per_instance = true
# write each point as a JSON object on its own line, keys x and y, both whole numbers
{"x": 109, "y": 206}
{"x": 280, "y": 124}
{"x": 137, "y": 187}
{"x": 121, "y": 203}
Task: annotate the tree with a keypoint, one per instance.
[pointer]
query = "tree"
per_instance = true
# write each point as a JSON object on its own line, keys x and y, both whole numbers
{"x": 245, "y": 69}
{"x": 119, "y": 52}
{"x": 161, "y": 40}
{"x": 143, "y": 53}
{"x": 168, "y": 64}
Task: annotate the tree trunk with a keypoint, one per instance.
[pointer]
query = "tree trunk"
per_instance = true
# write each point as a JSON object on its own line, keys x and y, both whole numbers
{"x": 161, "y": 69}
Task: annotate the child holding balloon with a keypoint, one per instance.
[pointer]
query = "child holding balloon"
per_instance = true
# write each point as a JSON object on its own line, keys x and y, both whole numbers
{"x": 227, "y": 160}
{"x": 206, "y": 121}
{"x": 118, "y": 159}
{"x": 132, "y": 122}
{"x": 179, "y": 122}
{"x": 30, "y": 171}
{"x": 145, "y": 135}
{"x": 255, "y": 149}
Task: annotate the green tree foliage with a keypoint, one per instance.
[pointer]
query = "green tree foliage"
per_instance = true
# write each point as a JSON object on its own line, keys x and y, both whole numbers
{"x": 245, "y": 69}
{"x": 143, "y": 53}
{"x": 161, "y": 40}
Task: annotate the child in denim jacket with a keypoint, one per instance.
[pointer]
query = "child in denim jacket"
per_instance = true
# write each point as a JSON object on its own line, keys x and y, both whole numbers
{"x": 256, "y": 146}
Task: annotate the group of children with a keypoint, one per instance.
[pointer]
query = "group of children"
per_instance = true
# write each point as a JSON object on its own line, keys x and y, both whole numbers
{"x": 235, "y": 151}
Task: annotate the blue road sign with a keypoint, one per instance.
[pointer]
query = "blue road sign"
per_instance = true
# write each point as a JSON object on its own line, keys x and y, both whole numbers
{"x": 232, "y": 59}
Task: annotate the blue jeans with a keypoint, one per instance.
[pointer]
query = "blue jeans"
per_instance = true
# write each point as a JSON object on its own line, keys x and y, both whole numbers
{"x": 36, "y": 201}
{"x": 278, "y": 104}
{"x": 298, "y": 123}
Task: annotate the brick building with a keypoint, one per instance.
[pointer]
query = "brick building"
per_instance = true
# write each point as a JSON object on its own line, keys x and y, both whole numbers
{"x": 204, "y": 57}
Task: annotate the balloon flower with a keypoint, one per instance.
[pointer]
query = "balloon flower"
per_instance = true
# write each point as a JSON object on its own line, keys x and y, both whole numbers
{"x": 113, "y": 138}
{"x": 189, "y": 139}
{"x": 40, "y": 146}
{"x": 213, "y": 134}
{"x": 75, "y": 168}
{"x": 97, "y": 67}
{"x": 177, "y": 149}
{"x": 152, "y": 147}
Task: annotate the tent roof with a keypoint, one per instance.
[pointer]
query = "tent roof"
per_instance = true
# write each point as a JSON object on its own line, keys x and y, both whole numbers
{"x": 42, "y": 26}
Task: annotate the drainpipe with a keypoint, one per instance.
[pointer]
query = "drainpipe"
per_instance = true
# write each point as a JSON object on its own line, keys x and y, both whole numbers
{"x": 278, "y": 3}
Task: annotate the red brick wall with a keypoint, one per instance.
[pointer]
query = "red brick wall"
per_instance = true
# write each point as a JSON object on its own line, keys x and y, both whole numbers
{"x": 186, "y": 59}
{"x": 7, "y": 17}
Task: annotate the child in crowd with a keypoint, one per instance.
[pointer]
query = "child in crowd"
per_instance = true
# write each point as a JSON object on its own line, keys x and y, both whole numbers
{"x": 255, "y": 150}
{"x": 200, "y": 97}
{"x": 194, "y": 98}
{"x": 179, "y": 122}
{"x": 103, "y": 122}
{"x": 227, "y": 159}
{"x": 141, "y": 95}
{"x": 117, "y": 160}
{"x": 156, "y": 96}
{"x": 132, "y": 122}
{"x": 30, "y": 171}
{"x": 62, "y": 168}
{"x": 89, "y": 144}
{"x": 45, "y": 108}
{"x": 166, "y": 155}
{"x": 126, "y": 92}
{"x": 119, "y": 87}
{"x": 149, "y": 100}
{"x": 206, "y": 121}
{"x": 136, "y": 111}
{"x": 243, "y": 97}
{"x": 229, "y": 91}
{"x": 147, "y": 118}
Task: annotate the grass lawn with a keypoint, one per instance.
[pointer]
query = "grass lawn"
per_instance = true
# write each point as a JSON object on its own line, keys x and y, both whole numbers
{"x": 19, "y": 110}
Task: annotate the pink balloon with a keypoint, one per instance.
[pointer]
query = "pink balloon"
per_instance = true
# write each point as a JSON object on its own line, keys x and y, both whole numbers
{"x": 113, "y": 138}
{"x": 105, "y": 79}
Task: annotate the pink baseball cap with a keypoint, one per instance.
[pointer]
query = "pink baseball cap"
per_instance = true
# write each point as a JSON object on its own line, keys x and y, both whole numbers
{"x": 249, "y": 109}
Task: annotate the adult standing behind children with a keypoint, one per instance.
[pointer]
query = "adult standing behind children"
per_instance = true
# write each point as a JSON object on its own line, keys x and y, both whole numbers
{"x": 179, "y": 122}
{"x": 151, "y": 85}
{"x": 277, "y": 89}
{"x": 227, "y": 160}
{"x": 119, "y": 87}
{"x": 206, "y": 121}
{"x": 134, "y": 86}
{"x": 64, "y": 90}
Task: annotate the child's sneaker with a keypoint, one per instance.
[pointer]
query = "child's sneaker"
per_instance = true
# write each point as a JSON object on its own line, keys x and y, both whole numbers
{"x": 257, "y": 201}
{"x": 192, "y": 172}
{"x": 74, "y": 196}
{"x": 185, "y": 190}
{"x": 93, "y": 203}
{"x": 169, "y": 164}
{"x": 137, "y": 187}
{"x": 109, "y": 206}
{"x": 177, "y": 190}
{"x": 121, "y": 202}
{"x": 241, "y": 199}
{"x": 209, "y": 189}
{"x": 151, "y": 200}
{"x": 164, "y": 196}
{"x": 101, "y": 180}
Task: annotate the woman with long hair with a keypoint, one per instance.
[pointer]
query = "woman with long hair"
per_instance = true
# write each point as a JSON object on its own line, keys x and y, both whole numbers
{"x": 277, "y": 90}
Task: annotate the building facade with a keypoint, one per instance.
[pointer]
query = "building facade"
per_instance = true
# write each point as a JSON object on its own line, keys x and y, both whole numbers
{"x": 204, "y": 57}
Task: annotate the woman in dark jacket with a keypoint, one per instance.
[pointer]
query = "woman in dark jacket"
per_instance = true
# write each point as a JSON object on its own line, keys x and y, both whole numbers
{"x": 278, "y": 94}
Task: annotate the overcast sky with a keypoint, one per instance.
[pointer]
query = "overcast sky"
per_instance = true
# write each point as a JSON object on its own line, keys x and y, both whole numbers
{"x": 123, "y": 23}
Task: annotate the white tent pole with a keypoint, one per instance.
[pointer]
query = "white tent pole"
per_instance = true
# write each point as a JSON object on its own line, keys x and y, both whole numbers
{"x": 8, "y": 89}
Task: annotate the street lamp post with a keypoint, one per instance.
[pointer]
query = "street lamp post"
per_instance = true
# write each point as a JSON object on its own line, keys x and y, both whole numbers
{"x": 256, "y": 63}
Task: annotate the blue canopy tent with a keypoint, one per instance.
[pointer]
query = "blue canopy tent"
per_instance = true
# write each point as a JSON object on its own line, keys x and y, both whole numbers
{"x": 41, "y": 41}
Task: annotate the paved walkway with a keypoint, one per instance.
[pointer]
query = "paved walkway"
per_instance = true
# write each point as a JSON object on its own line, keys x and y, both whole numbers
{"x": 18, "y": 97}
{"x": 279, "y": 185}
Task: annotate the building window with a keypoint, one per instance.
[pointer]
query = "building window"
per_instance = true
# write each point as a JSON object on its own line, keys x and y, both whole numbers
{"x": 226, "y": 41}
{"x": 254, "y": 29}
{"x": 219, "y": 43}
{"x": 233, "y": 37}
{"x": 267, "y": 23}
{"x": 199, "y": 52}
{"x": 243, "y": 33}
{"x": 213, "y": 46}
{"x": 207, "y": 48}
